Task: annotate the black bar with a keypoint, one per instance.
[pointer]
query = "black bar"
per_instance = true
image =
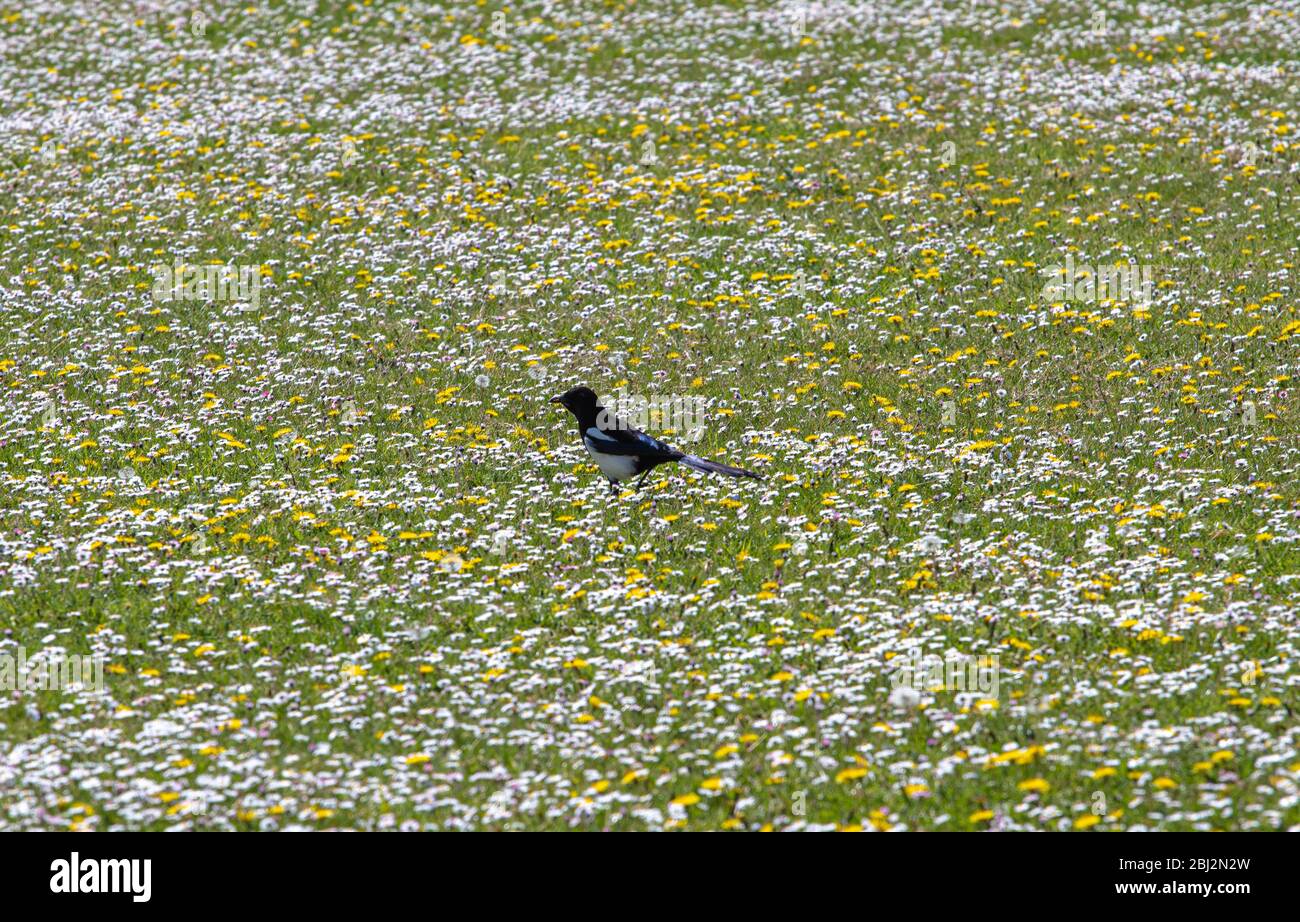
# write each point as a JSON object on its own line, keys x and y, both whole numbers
{"x": 947, "y": 870}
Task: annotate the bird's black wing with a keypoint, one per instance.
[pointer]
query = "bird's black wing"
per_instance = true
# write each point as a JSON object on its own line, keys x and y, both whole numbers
{"x": 614, "y": 437}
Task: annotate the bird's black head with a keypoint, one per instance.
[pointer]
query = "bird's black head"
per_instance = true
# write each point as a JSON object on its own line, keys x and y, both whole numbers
{"x": 580, "y": 401}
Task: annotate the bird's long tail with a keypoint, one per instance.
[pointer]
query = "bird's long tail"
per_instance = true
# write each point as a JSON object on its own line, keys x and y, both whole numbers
{"x": 713, "y": 467}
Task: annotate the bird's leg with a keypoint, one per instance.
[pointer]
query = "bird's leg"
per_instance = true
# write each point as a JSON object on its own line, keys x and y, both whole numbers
{"x": 613, "y": 488}
{"x": 637, "y": 488}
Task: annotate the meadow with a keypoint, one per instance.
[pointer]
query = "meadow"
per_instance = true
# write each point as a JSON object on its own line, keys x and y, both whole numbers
{"x": 345, "y": 567}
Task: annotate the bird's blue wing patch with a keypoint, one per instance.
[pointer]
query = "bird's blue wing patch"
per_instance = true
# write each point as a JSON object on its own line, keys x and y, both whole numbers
{"x": 627, "y": 442}
{"x": 652, "y": 444}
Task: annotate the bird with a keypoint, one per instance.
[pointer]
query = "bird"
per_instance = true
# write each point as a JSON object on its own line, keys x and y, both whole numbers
{"x": 622, "y": 452}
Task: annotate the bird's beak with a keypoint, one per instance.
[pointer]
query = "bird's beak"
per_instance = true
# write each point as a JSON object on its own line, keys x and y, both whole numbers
{"x": 557, "y": 400}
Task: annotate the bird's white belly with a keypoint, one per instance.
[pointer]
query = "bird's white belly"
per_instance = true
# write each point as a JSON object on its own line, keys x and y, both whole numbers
{"x": 614, "y": 467}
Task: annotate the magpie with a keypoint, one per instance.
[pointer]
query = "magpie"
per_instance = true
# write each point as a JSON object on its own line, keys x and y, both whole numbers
{"x": 623, "y": 452}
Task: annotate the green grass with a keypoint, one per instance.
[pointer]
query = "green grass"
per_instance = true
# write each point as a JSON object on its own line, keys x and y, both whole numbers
{"x": 305, "y": 615}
